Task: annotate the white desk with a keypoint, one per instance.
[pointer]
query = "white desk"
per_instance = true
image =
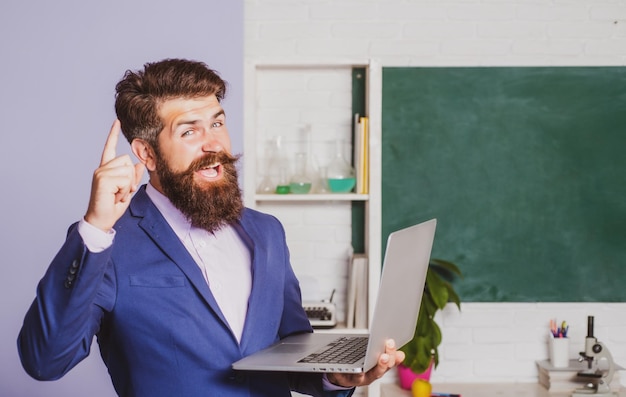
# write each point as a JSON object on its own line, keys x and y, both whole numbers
{"x": 482, "y": 390}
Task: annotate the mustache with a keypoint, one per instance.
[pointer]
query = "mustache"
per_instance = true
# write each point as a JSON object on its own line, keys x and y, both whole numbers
{"x": 211, "y": 158}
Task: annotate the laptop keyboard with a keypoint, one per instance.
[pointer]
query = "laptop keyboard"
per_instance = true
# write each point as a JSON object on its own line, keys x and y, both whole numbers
{"x": 344, "y": 350}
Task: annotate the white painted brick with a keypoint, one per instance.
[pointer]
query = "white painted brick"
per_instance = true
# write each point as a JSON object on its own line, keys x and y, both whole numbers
{"x": 341, "y": 101}
{"x": 457, "y": 336}
{"x": 301, "y": 249}
{"x": 499, "y": 368}
{"x": 275, "y": 48}
{"x": 250, "y": 33}
{"x": 616, "y": 12}
{"x": 338, "y": 116}
{"x": 532, "y": 351}
{"x": 289, "y": 218}
{"x": 501, "y": 334}
{"x": 336, "y": 47}
{"x": 292, "y": 100}
{"x": 512, "y": 29}
{"x": 333, "y": 248}
{"x": 400, "y": 47}
{"x": 272, "y": 11}
{"x": 331, "y": 80}
{"x": 355, "y": 11}
{"x": 454, "y": 368}
{"x": 326, "y": 269}
{"x": 545, "y": 12}
{"x": 511, "y": 60}
{"x": 486, "y": 12}
{"x": 572, "y": 30}
{"x": 613, "y": 315}
{"x": 606, "y": 47}
{"x": 315, "y": 233}
{"x": 365, "y": 30}
{"x": 476, "y": 47}
{"x": 430, "y": 30}
{"x": 336, "y": 213}
{"x": 294, "y": 30}
{"x": 548, "y": 47}
{"x": 476, "y": 317}
{"x": 412, "y": 11}
{"x": 272, "y": 81}
{"x": 274, "y": 116}
{"x": 485, "y": 352}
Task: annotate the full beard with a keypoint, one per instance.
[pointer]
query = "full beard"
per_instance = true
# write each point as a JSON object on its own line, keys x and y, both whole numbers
{"x": 210, "y": 205}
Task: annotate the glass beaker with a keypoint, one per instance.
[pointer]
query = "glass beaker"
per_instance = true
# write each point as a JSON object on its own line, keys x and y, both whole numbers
{"x": 300, "y": 182}
{"x": 276, "y": 169}
{"x": 266, "y": 166}
{"x": 282, "y": 162}
{"x": 340, "y": 174}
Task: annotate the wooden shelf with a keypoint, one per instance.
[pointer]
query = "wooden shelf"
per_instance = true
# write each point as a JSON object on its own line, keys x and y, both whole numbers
{"x": 312, "y": 197}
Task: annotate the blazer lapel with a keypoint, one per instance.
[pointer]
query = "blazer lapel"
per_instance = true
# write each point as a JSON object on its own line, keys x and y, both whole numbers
{"x": 161, "y": 233}
{"x": 256, "y": 319}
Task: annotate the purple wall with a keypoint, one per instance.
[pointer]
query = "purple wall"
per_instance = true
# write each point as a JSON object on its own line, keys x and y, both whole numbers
{"x": 60, "y": 61}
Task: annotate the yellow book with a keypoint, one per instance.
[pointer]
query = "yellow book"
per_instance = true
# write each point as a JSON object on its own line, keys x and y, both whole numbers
{"x": 364, "y": 165}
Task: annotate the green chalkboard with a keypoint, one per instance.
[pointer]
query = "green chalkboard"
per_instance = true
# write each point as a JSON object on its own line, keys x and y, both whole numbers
{"x": 525, "y": 169}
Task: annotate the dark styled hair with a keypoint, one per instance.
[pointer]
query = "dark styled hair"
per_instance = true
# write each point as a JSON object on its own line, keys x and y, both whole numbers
{"x": 140, "y": 93}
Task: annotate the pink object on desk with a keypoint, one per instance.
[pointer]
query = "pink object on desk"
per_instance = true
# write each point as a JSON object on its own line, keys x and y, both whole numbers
{"x": 407, "y": 376}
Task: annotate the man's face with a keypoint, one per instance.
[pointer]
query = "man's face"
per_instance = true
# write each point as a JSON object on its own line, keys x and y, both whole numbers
{"x": 193, "y": 165}
{"x": 193, "y": 128}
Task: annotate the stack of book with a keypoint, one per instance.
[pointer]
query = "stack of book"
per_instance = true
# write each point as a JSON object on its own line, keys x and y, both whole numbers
{"x": 357, "y": 292}
{"x": 566, "y": 380}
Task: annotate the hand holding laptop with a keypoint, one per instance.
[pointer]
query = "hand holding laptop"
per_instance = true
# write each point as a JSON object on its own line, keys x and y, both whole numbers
{"x": 350, "y": 360}
{"x": 386, "y": 361}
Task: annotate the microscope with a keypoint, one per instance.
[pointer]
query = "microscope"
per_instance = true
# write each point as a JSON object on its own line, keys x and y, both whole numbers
{"x": 599, "y": 380}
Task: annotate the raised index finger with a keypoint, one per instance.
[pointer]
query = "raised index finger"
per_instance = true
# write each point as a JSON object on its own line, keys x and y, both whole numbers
{"x": 109, "y": 152}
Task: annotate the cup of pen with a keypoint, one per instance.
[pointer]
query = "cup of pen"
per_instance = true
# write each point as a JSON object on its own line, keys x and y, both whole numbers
{"x": 559, "y": 345}
{"x": 559, "y": 351}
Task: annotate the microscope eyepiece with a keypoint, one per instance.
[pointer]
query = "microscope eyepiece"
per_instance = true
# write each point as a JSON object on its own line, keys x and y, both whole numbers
{"x": 590, "y": 327}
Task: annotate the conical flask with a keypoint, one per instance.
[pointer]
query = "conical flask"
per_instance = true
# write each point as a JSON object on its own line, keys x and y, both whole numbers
{"x": 300, "y": 182}
{"x": 340, "y": 174}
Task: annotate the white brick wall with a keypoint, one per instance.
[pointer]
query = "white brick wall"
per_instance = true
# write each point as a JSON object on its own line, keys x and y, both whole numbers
{"x": 461, "y": 32}
{"x": 486, "y": 341}
{"x": 501, "y": 341}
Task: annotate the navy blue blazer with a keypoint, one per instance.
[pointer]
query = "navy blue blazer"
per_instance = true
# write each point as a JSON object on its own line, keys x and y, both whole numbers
{"x": 159, "y": 328}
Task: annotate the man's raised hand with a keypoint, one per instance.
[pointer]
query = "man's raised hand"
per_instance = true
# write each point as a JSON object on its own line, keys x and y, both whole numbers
{"x": 113, "y": 184}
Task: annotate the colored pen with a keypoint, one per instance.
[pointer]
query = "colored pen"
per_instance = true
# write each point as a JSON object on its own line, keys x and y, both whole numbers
{"x": 444, "y": 395}
{"x": 559, "y": 332}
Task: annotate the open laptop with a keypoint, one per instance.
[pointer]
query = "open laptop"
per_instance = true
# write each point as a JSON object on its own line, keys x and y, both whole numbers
{"x": 395, "y": 315}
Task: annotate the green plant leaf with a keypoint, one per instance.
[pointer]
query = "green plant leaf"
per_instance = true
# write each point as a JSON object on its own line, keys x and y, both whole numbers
{"x": 437, "y": 289}
{"x": 453, "y": 296}
{"x": 441, "y": 266}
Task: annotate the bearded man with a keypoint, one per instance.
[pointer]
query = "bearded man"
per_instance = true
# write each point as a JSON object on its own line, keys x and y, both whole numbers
{"x": 176, "y": 279}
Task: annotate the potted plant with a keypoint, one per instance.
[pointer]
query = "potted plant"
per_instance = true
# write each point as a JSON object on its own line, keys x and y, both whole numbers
{"x": 421, "y": 352}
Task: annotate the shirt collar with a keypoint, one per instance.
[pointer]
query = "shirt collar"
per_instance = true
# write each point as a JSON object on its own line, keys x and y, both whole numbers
{"x": 177, "y": 221}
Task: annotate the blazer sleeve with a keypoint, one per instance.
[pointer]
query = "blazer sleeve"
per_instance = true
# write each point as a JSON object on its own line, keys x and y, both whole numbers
{"x": 71, "y": 299}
